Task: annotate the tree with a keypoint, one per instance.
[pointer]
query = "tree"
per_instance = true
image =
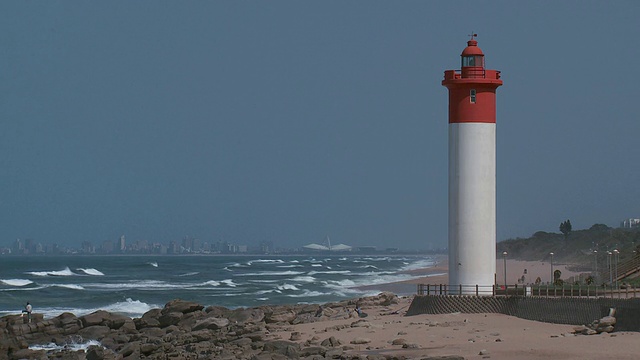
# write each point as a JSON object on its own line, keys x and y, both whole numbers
{"x": 556, "y": 278}
{"x": 565, "y": 228}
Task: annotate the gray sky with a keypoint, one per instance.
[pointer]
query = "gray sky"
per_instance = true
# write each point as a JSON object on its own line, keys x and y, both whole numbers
{"x": 288, "y": 121}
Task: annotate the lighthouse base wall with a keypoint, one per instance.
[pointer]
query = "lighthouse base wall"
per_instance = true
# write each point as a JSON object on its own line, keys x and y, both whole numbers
{"x": 472, "y": 204}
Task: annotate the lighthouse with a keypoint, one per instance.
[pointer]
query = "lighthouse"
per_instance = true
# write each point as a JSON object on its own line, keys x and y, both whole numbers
{"x": 472, "y": 172}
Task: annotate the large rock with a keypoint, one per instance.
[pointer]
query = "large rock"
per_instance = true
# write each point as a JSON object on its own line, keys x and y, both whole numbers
{"x": 283, "y": 314}
{"x": 168, "y": 319}
{"x": 246, "y": 316}
{"x": 282, "y": 347}
{"x": 182, "y": 306}
{"x": 607, "y": 321}
{"x": 96, "y": 318}
{"x": 29, "y": 354}
{"x": 211, "y": 323}
{"x": 148, "y": 319}
{"x": 96, "y": 332}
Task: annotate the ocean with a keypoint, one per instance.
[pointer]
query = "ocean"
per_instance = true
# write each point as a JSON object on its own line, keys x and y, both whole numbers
{"x": 132, "y": 285}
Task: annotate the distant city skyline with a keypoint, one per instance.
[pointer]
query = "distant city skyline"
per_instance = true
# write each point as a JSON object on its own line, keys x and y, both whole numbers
{"x": 288, "y": 121}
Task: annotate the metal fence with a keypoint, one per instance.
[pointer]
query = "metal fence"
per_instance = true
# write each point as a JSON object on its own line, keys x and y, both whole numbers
{"x": 587, "y": 291}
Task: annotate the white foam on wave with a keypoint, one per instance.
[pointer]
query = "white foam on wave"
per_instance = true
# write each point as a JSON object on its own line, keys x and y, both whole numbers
{"x": 68, "y": 286}
{"x": 386, "y": 258}
{"x": 211, "y": 283}
{"x": 71, "y": 346}
{"x": 140, "y": 285}
{"x": 289, "y": 266}
{"x": 369, "y": 267}
{"x": 308, "y": 293}
{"x": 419, "y": 264}
{"x": 91, "y": 271}
{"x": 272, "y": 273}
{"x": 263, "y": 281}
{"x": 16, "y": 282}
{"x": 266, "y": 261}
{"x": 129, "y": 307}
{"x": 190, "y": 274}
{"x": 341, "y": 283}
{"x": 229, "y": 282}
{"x": 329, "y": 272}
{"x": 154, "y": 264}
{"x": 316, "y": 265}
{"x": 307, "y": 279}
{"x": 287, "y": 287}
{"x": 65, "y": 272}
{"x": 262, "y": 292}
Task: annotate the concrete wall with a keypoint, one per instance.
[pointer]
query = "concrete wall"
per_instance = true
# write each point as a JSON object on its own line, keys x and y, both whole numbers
{"x": 564, "y": 310}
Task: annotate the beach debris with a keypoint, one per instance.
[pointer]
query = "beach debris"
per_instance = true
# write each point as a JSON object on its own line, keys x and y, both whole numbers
{"x": 360, "y": 340}
{"x": 604, "y": 325}
{"x": 330, "y": 342}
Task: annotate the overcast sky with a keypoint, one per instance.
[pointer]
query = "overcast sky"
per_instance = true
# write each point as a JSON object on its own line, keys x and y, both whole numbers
{"x": 291, "y": 121}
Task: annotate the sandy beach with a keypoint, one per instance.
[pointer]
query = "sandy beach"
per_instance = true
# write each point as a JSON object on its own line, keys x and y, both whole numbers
{"x": 475, "y": 336}
{"x": 472, "y": 336}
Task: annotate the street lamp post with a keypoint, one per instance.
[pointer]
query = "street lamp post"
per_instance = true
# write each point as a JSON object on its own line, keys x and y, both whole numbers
{"x": 504, "y": 257}
{"x": 616, "y": 252}
{"x": 610, "y": 267}
{"x": 595, "y": 271}
{"x": 551, "y": 267}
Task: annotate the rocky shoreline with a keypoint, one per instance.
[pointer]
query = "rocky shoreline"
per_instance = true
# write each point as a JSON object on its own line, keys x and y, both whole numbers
{"x": 187, "y": 330}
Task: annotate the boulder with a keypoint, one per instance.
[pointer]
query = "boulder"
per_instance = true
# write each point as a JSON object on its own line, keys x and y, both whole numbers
{"x": 282, "y": 347}
{"x": 170, "y": 318}
{"x": 29, "y": 354}
{"x": 148, "y": 319}
{"x": 360, "y": 340}
{"x": 211, "y": 323}
{"x": 181, "y": 306}
{"x": 607, "y": 320}
{"x": 96, "y": 332}
{"x": 330, "y": 342}
{"x": 283, "y": 314}
{"x": 246, "y": 316}
{"x": 96, "y": 318}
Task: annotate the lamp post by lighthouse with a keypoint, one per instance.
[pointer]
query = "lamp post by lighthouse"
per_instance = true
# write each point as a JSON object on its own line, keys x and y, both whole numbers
{"x": 595, "y": 271}
{"x": 504, "y": 257}
{"x": 610, "y": 264}
{"x": 616, "y": 253}
{"x": 552, "y": 278}
{"x": 472, "y": 171}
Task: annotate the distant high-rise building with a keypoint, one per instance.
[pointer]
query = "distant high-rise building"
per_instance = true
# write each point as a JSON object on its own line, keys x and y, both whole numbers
{"x": 107, "y": 246}
{"x": 630, "y": 223}
{"x": 122, "y": 245}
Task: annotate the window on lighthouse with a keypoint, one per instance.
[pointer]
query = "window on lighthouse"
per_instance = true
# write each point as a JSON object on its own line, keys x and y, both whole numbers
{"x": 472, "y": 96}
{"x": 472, "y": 61}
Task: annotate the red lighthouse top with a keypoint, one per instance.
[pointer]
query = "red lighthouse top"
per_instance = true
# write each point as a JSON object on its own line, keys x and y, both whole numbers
{"x": 472, "y": 48}
{"x": 472, "y": 67}
{"x": 472, "y": 89}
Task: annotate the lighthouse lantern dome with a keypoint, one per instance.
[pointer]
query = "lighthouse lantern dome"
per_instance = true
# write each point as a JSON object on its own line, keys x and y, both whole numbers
{"x": 472, "y": 55}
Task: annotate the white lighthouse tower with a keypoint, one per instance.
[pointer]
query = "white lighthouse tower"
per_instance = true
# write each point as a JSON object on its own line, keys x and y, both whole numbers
{"x": 472, "y": 172}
